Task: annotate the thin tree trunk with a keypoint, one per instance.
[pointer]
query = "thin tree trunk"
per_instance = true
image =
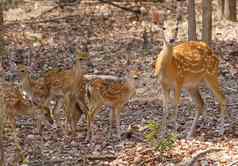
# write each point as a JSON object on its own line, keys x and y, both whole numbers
{"x": 191, "y": 20}
{"x": 2, "y": 48}
{"x": 207, "y": 21}
{"x": 1, "y": 139}
{"x": 2, "y": 52}
{"x": 230, "y": 10}
{"x": 221, "y": 5}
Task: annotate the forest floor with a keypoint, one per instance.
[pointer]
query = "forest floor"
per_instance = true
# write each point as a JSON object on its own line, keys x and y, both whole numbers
{"x": 111, "y": 35}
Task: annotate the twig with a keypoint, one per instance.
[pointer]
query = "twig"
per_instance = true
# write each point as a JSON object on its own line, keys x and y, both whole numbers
{"x": 83, "y": 159}
{"x": 68, "y": 16}
{"x": 47, "y": 11}
{"x": 199, "y": 155}
{"x": 48, "y": 162}
{"x": 109, "y": 157}
{"x": 42, "y": 21}
{"x": 233, "y": 163}
{"x": 62, "y": 4}
{"x": 121, "y": 7}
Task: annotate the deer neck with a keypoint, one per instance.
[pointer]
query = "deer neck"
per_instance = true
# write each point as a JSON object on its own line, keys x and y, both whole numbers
{"x": 166, "y": 56}
{"x": 26, "y": 86}
{"x": 164, "y": 60}
{"x": 77, "y": 70}
{"x": 25, "y": 107}
{"x": 131, "y": 84}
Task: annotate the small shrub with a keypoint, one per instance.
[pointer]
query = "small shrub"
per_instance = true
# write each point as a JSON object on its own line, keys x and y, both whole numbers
{"x": 158, "y": 1}
{"x": 163, "y": 144}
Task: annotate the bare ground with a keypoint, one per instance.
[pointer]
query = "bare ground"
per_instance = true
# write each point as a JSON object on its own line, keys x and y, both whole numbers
{"x": 111, "y": 35}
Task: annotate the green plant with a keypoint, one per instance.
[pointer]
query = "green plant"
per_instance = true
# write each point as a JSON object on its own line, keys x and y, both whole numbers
{"x": 146, "y": 51}
{"x": 190, "y": 108}
{"x": 151, "y": 135}
{"x": 163, "y": 144}
{"x": 158, "y": 1}
{"x": 167, "y": 143}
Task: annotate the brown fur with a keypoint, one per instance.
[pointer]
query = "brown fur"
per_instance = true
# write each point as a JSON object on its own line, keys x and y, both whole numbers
{"x": 13, "y": 105}
{"x": 53, "y": 86}
{"x": 75, "y": 103}
{"x": 109, "y": 91}
{"x": 186, "y": 66}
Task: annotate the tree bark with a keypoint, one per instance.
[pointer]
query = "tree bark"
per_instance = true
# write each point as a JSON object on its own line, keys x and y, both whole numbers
{"x": 191, "y": 20}
{"x": 2, "y": 51}
{"x": 230, "y": 10}
{"x": 221, "y": 5}
{"x": 207, "y": 21}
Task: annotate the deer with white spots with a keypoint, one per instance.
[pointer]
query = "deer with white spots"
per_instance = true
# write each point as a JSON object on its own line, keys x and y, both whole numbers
{"x": 187, "y": 65}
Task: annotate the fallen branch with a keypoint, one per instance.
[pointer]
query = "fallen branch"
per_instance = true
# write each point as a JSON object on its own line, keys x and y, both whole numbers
{"x": 42, "y": 21}
{"x": 233, "y": 163}
{"x": 62, "y": 4}
{"x": 91, "y": 158}
{"x": 192, "y": 161}
{"x": 109, "y": 157}
{"x": 121, "y": 7}
{"x": 68, "y": 16}
{"x": 49, "y": 162}
{"x": 47, "y": 11}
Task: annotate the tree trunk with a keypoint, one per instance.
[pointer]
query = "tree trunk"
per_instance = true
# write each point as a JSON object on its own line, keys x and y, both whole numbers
{"x": 191, "y": 20}
{"x": 2, "y": 51}
{"x": 221, "y": 5}
{"x": 230, "y": 10}
{"x": 207, "y": 21}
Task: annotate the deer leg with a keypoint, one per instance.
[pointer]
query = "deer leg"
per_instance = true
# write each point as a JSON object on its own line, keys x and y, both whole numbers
{"x": 76, "y": 115}
{"x": 163, "y": 128}
{"x": 81, "y": 108}
{"x": 2, "y": 122}
{"x": 88, "y": 127}
{"x": 117, "y": 111}
{"x": 112, "y": 120}
{"x": 40, "y": 130}
{"x": 20, "y": 156}
{"x": 90, "y": 123}
{"x": 55, "y": 114}
{"x": 177, "y": 102}
{"x": 72, "y": 114}
{"x": 213, "y": 83}
{"x": 67, "y": 123}
{"x": 196, "y": 97}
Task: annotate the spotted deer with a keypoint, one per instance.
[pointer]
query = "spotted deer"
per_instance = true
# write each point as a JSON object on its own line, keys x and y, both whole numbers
{"x": 75, "y": 104}
{"x": 14, "y": 104}
{"x": 107, "y": 90}
{"x": 53, "y": 85}
{"x": 187, "y": 65}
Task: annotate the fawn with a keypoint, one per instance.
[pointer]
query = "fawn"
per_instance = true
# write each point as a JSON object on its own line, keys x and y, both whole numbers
{"x": 75, "y": 103}
{"x": 109, "y": 91}
{"x": 13, "y": 104}
{"x": 187, "y": 65}
{"x": 53, "y": 85}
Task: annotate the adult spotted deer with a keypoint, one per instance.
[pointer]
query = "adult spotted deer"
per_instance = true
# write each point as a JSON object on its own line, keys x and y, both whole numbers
{"x": 187, "y": 65}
